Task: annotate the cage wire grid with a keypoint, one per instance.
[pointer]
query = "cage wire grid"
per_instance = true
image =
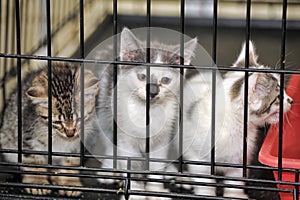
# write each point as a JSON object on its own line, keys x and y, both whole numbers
{"x": 89, "y": 172}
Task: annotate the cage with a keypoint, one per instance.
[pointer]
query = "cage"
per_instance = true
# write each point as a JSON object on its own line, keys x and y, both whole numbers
{"x": 36, "y": 33}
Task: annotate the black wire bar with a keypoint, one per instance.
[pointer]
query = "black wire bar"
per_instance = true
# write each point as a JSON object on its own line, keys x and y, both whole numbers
{"x": 140, "y": 172}
{"x": 282, "y": 67}
{"x": 246, "y": 82}
{"x": 48, "y": 18}
{"x": 115, "y": 74}
{"x": 182, "y": 17}
{"x": 213, "y": 87}
{"x": 82, "y": 55}
{"x": 138, "y": 64}
{"x": 147, "y": 148}
{"x": 19, "y": 80}
{"x": 5, "y": 50}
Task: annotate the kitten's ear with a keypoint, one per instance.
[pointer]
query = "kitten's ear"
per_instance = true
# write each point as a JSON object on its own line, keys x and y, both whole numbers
{"x": 189, "y": 50}
{"x": 240, "y": 62}
{"x": 91, "y": 89}
{"x": 91, "y": 85}
{"x": 257, "y": 89}
{"x": 128, "y": 43}
{"x": 38, "y": 92}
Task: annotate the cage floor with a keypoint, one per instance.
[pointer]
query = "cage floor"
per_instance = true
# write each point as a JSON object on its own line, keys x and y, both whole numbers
{"x": 18, "y": 193}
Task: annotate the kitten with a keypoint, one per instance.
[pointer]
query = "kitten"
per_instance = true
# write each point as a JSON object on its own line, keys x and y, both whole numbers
{"x": 131, "y": 104}
{"x": 263, "y": 107}
{"x": 66, "y": 117}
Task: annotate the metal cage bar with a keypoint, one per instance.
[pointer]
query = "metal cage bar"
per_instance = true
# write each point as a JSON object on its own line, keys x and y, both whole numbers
{"x": 180, "y": 148}
{"x": 115, "y": 74}
{"x": 82, "y": 55}
{"x": 148, "y": 48}
{"x": 282, "y": 67}
{"x": 19, "y": 79}
{"x": 214, "y": 79}
{"x": 5, "y": 49}
{"x": 246, "y": 84}
{"x": 49, "y": 42}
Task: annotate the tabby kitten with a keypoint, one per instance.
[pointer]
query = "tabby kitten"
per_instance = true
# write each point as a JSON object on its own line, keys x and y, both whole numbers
{"x": 66, "y": 117}
{"x": 131, "y": 104}
{"x": 263, "y": 107}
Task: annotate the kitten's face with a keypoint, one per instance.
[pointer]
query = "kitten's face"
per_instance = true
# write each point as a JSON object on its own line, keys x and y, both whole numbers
{"x": 164, "y": 83}
{"x": 263, "y": 91}
{"x": 264, "y": 102}
{"x": 66, "y": 94}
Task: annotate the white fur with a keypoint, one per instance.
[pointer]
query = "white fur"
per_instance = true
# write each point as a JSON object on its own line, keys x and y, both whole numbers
{"x": 229, "y": 130}
{"x": 131, "y": 110}
{"x": 131, "y": 122}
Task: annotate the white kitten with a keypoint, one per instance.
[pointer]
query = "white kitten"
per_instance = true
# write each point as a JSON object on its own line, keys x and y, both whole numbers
{"x": 263, "y": 107}
{"x": 131, "y": 106}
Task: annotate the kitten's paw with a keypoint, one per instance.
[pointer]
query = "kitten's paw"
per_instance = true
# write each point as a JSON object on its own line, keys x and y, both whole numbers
{"x": 109, "y": 181}
{"x": 158, "y": 198}
{"x": 182, "y": 185}
{"x": 40, "y": 180}
{"x": 135, "y": 197}
{"x": 205, "y": 191}
{"x": 235, "y": 194}
{"x": 36, "y": 191}
{"x": 69, "y": 193}
{"x": 67, "y": 181}
{"x": 156, "y": 187}
{"x": 185, "y": 186}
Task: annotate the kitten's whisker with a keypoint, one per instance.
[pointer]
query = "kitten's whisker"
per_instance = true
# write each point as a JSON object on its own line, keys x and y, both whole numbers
{"x": 295, "y": 103}
{"x": 294, "y": 113}
{"x": 288, "y": 121}
{"x": 287, "y": 66}
{"x": 291, "y": 87}
{"x": 277, "y": 66}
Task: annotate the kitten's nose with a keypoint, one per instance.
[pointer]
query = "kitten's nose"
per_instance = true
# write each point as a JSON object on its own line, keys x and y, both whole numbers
{"x": 70, "y": 132}
{"x": 154, "y": 90}
{"x": 290, "y": 100}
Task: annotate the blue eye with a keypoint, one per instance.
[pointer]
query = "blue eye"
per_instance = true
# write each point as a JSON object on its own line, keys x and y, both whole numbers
{"x": 141, "y": 77}
{"x": 165, "y": 80}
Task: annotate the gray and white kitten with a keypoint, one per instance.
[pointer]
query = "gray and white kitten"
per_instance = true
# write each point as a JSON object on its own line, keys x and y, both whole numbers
{"x": 66, "y": 117}
{"x": 263, "y": 107}
{"x": 131, "y": 106}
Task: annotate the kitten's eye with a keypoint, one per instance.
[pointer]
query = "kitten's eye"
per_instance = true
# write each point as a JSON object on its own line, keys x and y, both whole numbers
{"x": 165, "y": 80}
{"x": 44, "y": 117}
{"x": 57, "y": 123}
{"x": 141, "y": 77}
